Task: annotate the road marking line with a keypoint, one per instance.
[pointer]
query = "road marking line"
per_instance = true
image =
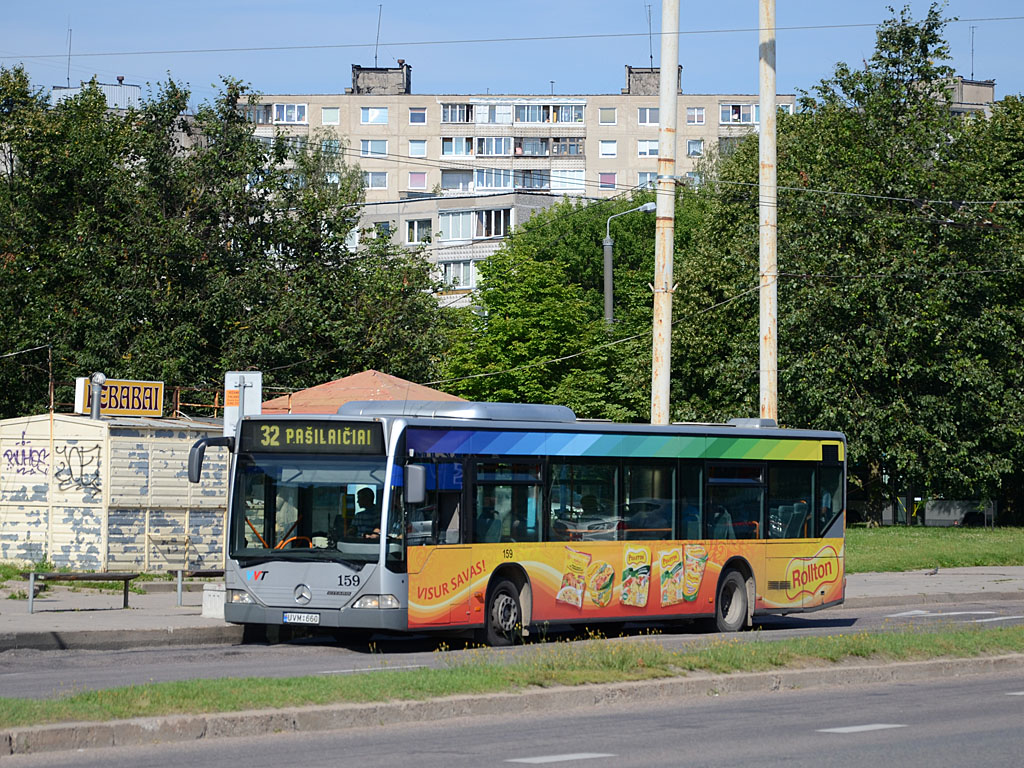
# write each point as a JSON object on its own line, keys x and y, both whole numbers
{"x": 860, "y": 728}
{"x": 1016, "y": 693}
{"x": 559, "y": 758}
{"x": 998, "y": 618}
{"x": 369, "y": 669}
{"x": 906, "y": 613}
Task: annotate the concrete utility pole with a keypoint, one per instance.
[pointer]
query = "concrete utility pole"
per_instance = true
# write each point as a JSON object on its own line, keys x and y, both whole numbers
{"x": 661, "y": 362}
{"x": 768, "y": 206}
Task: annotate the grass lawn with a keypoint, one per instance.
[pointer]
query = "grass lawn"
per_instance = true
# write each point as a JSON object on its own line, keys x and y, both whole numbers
{"x": 902, "y": 548}
{"x": 483, "y": 671}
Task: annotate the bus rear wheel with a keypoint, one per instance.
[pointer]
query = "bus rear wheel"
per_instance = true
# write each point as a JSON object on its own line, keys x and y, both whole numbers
{"x": 504, "y": 620}
{"x": 731, "y": 603}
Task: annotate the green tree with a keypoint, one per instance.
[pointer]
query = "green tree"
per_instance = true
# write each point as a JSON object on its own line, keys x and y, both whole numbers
{"x": 896, "y": 323}
{"x": 150, "y": 244}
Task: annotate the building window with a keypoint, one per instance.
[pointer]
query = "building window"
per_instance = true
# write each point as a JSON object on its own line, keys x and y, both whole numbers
{"x": 568, "y": 113}
{"x": 531, "y": 147}
{"x": 647, "y": 179}
{"x": 382, "y": 228}
{"x": 289, "y": 113}
{"x": 532, "y": 178}
{"x": 493, "y": 178}
{"x": 458, "y": 145}
{"x": 457, "y": 274}
{"x": 737, "y": 114}
{"x": 647, "y": 115}
{"x": 694, "y": 147}
{"x": 695, "y": 115}
{"x": 375, "y": 179}
{"x": 457, "y": 225}
{"x": 606, "y": 115}
{"x": 330, "y": 115}
{"x": 608, "y": 148}
{"x": 494, "y": 145}
{"x": 373, "y": 115}
{"x": 533, "y": 113}
{"x": 261, "y": 114}
{"x": 459, "y": 180}
{"x": 417, "y": 231}
{"x": 496, "y": 223}
{"x": 647, "y": 148}
{"x": 727, "y": 145}
{"x": 417, "y": 147}
{"x": 606, "y": 180}
{"x": 417, "y": 179}
{"x": 693, "y": 178}
{"x": 330, "y": 146}
{"x": 570, "y": 145}
{"x": 333, "y": 178}
{"x": 417, "y": 115}
{"x": 370, "y": 147}
{"x": 456, "y": 113}
{"x": 495, "y": 114}
{"x": 565, "y": 180}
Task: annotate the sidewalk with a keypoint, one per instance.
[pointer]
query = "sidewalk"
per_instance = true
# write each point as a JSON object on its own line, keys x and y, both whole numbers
{"x": 66, "y": 618}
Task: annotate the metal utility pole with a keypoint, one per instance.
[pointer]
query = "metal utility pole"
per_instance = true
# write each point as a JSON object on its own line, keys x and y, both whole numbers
{"x": 661, "y": 358}
{"x": 768, "y": 206}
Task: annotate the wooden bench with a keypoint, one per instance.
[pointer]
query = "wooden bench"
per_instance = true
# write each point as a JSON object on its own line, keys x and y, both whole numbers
{"x": 33, "y": 577}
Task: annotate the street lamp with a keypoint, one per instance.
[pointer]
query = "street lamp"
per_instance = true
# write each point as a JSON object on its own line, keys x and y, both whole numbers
{"x": 646, "y": 208}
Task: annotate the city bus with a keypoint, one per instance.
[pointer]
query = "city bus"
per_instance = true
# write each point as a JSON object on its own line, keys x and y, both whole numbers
{"x": 501, "y": 519}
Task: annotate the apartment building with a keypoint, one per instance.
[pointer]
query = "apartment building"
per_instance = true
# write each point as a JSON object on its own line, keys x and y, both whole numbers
{"x": 461, "y": 170}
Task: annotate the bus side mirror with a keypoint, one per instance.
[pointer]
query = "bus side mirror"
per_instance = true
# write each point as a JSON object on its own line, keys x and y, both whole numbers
{"x": 415, "y": 484}
{"x": 195, "y": 456}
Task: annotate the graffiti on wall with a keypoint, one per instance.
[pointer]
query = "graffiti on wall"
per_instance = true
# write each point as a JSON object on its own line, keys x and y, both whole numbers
{"x": 25, "y": 459}
{"x": 77, "y": 467}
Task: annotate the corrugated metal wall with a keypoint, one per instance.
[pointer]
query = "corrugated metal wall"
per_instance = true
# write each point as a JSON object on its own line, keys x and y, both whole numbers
{"x": 110, "y": 495}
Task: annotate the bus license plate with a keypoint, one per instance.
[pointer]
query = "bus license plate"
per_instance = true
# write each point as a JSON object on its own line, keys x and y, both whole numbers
{"x": 302, "y": 618}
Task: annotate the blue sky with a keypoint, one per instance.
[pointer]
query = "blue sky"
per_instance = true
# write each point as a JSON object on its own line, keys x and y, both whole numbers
{"x": 718, "y": 45}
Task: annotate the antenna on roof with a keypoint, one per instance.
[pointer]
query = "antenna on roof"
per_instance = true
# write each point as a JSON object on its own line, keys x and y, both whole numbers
{"x": 380, "y": 12}
{"x": 69, "y": 51}
{"x": 972, "y": 50}
{"x": 650, "y": 35}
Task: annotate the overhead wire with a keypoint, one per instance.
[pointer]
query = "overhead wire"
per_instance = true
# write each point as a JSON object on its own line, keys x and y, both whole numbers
{"x": 480, "y": 40}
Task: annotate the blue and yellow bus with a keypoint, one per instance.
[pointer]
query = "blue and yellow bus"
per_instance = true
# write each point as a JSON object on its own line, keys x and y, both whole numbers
{"x": 498, "y": 518}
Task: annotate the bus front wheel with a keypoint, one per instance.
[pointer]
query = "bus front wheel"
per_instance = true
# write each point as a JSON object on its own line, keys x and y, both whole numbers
{"x": 731, "y": 603}
{"x": 504, "y": 621}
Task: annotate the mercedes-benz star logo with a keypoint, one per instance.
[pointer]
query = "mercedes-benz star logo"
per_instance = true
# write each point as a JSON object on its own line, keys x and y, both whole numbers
{"x": 303, "y": 594}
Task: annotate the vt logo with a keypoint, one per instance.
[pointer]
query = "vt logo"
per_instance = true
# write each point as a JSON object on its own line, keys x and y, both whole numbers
{"x": 256, "y": 575}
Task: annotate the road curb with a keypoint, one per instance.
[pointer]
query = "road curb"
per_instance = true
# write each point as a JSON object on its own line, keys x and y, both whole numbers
{"x": 119, "y": 639}
{"x": 185, "y": 728}
{"x": 926, "y": 597}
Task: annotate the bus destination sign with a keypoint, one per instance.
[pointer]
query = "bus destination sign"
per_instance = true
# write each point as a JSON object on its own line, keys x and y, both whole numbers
{"x": 313, "y": 436}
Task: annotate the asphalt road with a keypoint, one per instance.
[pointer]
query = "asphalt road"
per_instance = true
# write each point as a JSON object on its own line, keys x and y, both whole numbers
{"x": 973, "y": 720}
{"x": 44, "y": 674}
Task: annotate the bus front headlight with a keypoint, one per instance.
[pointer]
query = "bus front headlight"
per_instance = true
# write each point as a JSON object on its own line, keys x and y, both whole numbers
{"x": 239, "y": 597}
{"x": 377, "y": 601}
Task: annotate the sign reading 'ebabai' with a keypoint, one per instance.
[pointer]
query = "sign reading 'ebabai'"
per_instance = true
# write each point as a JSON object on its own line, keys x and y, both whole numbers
{"x": 313, "y": 436}
{"x": 122, "y": 397}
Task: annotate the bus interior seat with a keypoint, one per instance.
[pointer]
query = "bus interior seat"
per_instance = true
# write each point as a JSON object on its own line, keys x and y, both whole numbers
{"x": 488, "y": 529}
{"x": 723, "y": 525}
{"x": 796, "y": 524}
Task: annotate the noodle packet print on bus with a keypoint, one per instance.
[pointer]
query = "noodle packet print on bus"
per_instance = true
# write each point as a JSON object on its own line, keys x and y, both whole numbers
{"x": 694, "y": 562}
{"x": 574, "y": 578}
{"x": 671, "y": 561}
{"x": 636, "y": 577}
{"x": 600, "y": 583}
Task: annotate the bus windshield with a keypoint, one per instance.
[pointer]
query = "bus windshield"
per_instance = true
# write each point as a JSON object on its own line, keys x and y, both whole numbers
{"x": 294, "y": 506}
